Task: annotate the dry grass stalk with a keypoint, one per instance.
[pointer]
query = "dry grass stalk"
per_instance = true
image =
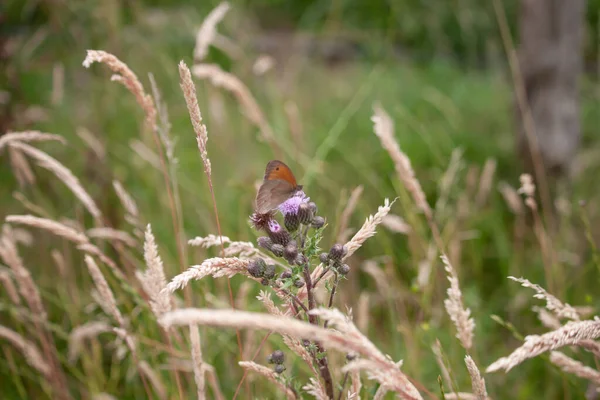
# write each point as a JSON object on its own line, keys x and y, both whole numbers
{"x": 396, "y": 224}
{"x": 216, "y": 267}
{"x": 128, "y": 78}
{"x": 198, "y": 363}
{"x": 270, "y": 375}
{"x": 362, "y": 311}
{"x": 132, "y": 214}
{"x": 547, "y": 319}
{"x": 112, "y": 234}
{"x": 209, "y": 241}
{"x": 159, "y": 387}
{"x": 437, "y": 351}
{"x": 355, "y": 386}
{"x": 462, "y": 396}
{"x": 29, "y": 136}
{"x": 315, "y": 389}
{"x": 104, "y": 290}
{"x": 511, "y": 197}
{"x": 153, "y": 279}
{"x": 57, "y": 228}
{"x": 477, "y": 381}
{"x": 207, "y": 32}
{"x": 485, "y": 181}
{"x": 9, "y": 286}
{"x": 103, "y": 396}
{"x": 573, "y": 333}
{"x": 83, "y": 332}
{"x": 448, "y": 179}
{"x": 567, "y": 364}
{"x": 384, "y": 129}
{"x": 233, "y": 84}
{"x": 63, "y": 174}
{"x": 189, "y": 92}
{"x": 145, "y": 153}
{"x": 29, "y": 350}
{"x": 27, "y": 287}
{"x": 460, "y": 315}
{"x": 560, "y": 309}
{"x": 20, "y": 167}
{"x": 368, "y": 229}
{"x": 380, "y": 393}
{"x": 346, "y": 338}
{"x": 347, "y": 213}
{"x": 92, "y": 142}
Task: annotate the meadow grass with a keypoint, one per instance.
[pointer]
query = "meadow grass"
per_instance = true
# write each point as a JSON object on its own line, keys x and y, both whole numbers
{"x": 450, "y": 122}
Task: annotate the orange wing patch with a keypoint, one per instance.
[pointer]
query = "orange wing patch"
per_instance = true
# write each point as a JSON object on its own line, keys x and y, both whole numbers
{"x": 278, "y": 170}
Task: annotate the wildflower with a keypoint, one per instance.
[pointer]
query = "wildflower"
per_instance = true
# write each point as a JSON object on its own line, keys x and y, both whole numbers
{"x": 261, "y": 221}
{"x": 292, "y": 205}
{"x": 277, "y": 233}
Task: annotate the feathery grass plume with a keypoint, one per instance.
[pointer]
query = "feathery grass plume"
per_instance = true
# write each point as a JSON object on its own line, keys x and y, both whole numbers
{"x": 64, "y": 175}
{"x": 346, "y": 338}
{"x": 560, "y": 309}
{"x": 368, "y": 229}
{"x": 20, "y": 167}
{"x": 355, "y": 385}
{"x": 573, "y": 333}
{"x": 127, "y": 77}
{"x": 485, "y": 181}
{"x": 9, "y": 286}
{"x": 380, "y": 393}
{"x": 207, "y": 32}
{"x": 209, "y": 241}
{"x": 233, "y": 84}
{"x": 153, "y": 279}
{"x": 29, "y": 136}
{"x": 112, "y": 234}
{"x": 92, "y": 142}
{"x": 396, "y": 224}
{"x": 216, "y": 267}
{"x": 131, "y": 210}
{"x": 511, "y": 197}
{"x": 29, "y": 350}
{"x": 477, "y": 381}
{"x": 343, "y": 228}
{"x": 462, "y": 396}
{"x": 270, "y": 375}
{"x": 83, "y": 332}
{"x": 27, "y": 287}
{"x": 567, "y": 364}
{"x": 189, "y": 92}
{"x": 104, "y": 290}
{"x": 384, "y": 129}
{"x": 547, "y": 319}
{"x": 315, "y": 389}
{"x": 197, "y": 362}
{"x": 455, "y": 308}
{"x": 55, "y": 227}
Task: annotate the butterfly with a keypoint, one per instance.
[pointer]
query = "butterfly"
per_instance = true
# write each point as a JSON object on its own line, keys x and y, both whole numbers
{"x": 279, "y": 184}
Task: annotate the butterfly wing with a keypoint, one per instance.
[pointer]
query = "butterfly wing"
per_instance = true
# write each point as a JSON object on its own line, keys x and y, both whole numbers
{"x": 272, "y": 193}
{"x": 278, "y": 170}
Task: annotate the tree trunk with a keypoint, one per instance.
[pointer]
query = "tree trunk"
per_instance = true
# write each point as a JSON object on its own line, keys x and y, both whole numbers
{"x": 550, "y": 57}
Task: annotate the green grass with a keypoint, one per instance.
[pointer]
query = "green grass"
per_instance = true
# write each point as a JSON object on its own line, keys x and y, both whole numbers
{"x": 436, "y": 108}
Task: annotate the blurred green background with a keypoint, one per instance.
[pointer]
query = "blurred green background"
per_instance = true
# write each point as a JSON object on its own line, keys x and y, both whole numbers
{"x": 438, "y": 67}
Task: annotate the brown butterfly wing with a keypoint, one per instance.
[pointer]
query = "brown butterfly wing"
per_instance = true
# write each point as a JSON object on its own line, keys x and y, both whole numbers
{"x": 271, "y": 194}
{"x": 278, "y": 170}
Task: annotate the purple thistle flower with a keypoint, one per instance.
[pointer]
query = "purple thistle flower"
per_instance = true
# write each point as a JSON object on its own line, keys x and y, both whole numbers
{"x": 274, "y": 226}
{"x": 290, "y": 206}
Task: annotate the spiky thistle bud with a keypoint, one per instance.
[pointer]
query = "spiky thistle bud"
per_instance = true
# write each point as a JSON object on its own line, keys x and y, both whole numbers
{"x": 269, "y": 271}
{"x": 337, "y": 251}
{"x": 264, "y": 282}
{"x": 299, "y": 283}
{"x": 287, "y": 274}
{"x": 265, "y": 242}
{"x": 324, "y": 258}
{"x": 313, "y": 207}
{"x": 344, "y": 269}
{"x": 318, "y": 222}
{"x": 301, "y": 259}
{"x": 305, "y": 214}
{"x": 277, "y": 250}
{"x": 276, "y": 357}
{"x": 291, "y": 222}
{"x": 257, "y": 268}
{"x": 279, "y": 368}
{"x": 290, "y": 252}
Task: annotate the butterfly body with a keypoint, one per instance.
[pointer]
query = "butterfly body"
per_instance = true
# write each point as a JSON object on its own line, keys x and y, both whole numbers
{"x": 279, "y": 184}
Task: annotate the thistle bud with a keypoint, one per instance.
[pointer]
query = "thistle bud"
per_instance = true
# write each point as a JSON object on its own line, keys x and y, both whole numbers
{"x": 265, "y": 242}
{"x": 318, "y": 222}
{"x": 337, "y": 252}
{"x": 279, "y": 368}
{"x": 324, "y": 258}
{"x": 285, "y": 275}
{"x": 291, "y": 222}
{"x": 344, "y": 269}
{"x": 301, "y": 259}
{"x": 305, "y": 214}
{"x": 313, "y": 207}
{"x": 276, "y": 357}
{"x": 290, "y": 252}
{"x": 264, "y": 282}
{"x": 257, "y": 268}
{"x": 299, "y": 283}
{"x": 269, "y": 271}
{"x": 277, "y": 250}
{"x": 281, "y": 237}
